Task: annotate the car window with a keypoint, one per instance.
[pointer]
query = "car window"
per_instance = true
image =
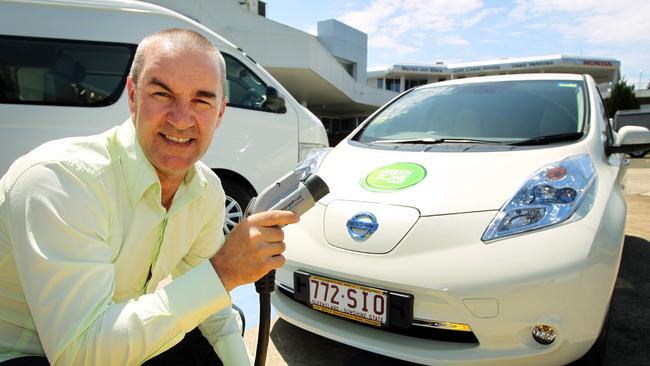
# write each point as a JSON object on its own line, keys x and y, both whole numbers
{"x": 498, "y": 111}
{"x": 243, "y": 87}
{"x": 62, "y": 72}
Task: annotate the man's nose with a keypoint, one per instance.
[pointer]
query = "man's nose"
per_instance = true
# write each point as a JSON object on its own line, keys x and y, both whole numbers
{"x": 181, "y": 116}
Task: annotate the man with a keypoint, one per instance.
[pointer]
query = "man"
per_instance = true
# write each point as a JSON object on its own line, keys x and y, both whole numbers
{"x": 90, "y": 226}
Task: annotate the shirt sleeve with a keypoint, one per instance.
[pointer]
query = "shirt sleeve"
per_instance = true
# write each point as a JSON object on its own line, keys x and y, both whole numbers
{"x": 221, "y": 329}
{"x": 60, "y": 222}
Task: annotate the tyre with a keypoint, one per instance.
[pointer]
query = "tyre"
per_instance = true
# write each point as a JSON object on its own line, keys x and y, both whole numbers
{"x": 237, "y": 198}
{"x": 638, "y": 154}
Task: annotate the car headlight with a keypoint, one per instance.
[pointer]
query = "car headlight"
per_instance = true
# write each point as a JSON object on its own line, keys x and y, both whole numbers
{"x": 311, "y": 163}
{"x": 550, "y": 196}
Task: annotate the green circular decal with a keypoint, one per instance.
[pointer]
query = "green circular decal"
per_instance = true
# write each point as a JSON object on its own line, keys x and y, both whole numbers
{"x": 393, "y": 177}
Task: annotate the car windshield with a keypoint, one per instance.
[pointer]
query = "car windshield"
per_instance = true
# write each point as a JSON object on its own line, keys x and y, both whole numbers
{"x": 509, "y": 112}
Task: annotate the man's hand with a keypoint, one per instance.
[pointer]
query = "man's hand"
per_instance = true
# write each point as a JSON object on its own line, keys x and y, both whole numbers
{"x": 253, "y": 248}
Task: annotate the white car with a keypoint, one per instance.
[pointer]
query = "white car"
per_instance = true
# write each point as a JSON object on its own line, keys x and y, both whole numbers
{"x": 469, "y": 222}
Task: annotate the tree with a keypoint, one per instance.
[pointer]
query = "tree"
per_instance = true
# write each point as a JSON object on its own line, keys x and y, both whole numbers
{"x": 621, "y": 97}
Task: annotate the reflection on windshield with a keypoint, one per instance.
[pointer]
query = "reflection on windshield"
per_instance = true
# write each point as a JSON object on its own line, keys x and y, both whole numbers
{"x": 505, "y": 112}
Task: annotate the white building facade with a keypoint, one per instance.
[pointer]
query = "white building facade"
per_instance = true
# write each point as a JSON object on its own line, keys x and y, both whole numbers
{"x": 401, "y": 77}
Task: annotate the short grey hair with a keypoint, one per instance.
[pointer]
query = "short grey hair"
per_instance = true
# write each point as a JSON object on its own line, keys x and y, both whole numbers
{"x": 183, "y": 38}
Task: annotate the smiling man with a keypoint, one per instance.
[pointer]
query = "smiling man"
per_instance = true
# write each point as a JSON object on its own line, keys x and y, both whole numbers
{"x": 90, "y": 226}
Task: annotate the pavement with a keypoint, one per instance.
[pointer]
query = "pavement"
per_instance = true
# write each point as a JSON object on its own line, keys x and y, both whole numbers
{"x": 627, "y": 343}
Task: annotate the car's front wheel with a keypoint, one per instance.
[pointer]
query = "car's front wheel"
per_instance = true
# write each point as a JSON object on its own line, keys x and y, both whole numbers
{"x": 237, "y": 198}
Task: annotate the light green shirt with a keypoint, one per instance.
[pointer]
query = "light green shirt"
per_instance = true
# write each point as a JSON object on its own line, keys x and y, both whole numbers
{"x": 84, "y": 244}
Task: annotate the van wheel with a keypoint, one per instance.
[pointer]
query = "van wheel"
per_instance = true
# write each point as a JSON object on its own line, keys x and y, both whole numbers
{"x": 237, "y": 198}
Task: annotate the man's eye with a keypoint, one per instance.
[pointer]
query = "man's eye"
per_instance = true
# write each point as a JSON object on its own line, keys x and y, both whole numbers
{"x": 202, "y": 103}
{"x": 161, "y": 94}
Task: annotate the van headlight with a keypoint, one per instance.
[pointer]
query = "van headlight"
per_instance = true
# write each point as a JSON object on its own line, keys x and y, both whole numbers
{"x": 304, "y": 148}
{"x": 311, "y": 163}
{"x": 550, "y": 196}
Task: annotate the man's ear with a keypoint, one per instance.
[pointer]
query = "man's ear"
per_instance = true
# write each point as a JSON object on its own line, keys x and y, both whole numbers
{"x": 221, "y": 112}
{"x": 130, "y": 89}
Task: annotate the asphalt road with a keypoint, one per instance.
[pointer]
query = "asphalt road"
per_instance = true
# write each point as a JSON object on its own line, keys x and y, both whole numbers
{"x": 627, "y": 343}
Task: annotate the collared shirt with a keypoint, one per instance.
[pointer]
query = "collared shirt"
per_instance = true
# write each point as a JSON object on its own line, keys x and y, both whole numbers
{"x": 84, "y": 244}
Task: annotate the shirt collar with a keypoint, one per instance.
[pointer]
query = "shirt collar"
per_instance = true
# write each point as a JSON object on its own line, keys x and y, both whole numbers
{"x": 139, "y": 173}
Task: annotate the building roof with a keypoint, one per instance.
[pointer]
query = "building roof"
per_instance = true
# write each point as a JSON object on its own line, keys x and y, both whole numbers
{"x": 602, "y": 69}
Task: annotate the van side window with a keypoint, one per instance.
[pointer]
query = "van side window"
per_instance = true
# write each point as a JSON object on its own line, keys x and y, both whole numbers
{"x": 62, "y": 72}
{"x": 246, "y": 90}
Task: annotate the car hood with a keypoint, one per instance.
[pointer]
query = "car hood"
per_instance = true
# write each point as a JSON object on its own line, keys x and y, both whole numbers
{"x": 378, "y": 194}
{"x": 452, "y": 182}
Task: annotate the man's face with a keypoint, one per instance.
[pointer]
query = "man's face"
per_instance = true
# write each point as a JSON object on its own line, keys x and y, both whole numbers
{"x": 176, "y": 105}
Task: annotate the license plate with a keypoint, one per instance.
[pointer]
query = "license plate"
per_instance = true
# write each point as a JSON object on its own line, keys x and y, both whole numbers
{"x": 361, "y": 303}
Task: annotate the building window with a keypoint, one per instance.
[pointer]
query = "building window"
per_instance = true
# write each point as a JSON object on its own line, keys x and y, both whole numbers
{"x": 413, "y": 83}
{"x": 349, "y": 68}
{"x": 261, "y": 8}
{"x": 380, "y": 83}
{"x": 393, "y": 84}
{"x": 338, "y": 128}
{"x": 63, "y": 72}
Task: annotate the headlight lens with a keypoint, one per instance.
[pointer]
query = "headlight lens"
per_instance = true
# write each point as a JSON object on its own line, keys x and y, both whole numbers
{"x": 548, "y": 197}
{"x": 311, "y": 163}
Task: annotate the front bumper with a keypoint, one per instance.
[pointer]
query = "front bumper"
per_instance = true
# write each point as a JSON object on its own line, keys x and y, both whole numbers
{"x": 562, "y": 276}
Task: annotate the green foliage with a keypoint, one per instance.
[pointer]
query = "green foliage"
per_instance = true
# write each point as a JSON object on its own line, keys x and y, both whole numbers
{"x": 621, "y": 97}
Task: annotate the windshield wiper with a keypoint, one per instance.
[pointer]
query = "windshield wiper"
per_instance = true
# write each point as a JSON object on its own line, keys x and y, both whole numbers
{"x": 543, "y": 140}
{"x": 432, "y": 141}
{"x": 426, "y": 140}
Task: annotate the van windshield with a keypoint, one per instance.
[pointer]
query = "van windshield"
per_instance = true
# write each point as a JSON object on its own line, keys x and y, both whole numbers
{"x": 483, "y": 112}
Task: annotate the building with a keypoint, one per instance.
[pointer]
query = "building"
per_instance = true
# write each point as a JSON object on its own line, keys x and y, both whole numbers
{"x": 402, "y": 77}
{"x": 643, "y": 97}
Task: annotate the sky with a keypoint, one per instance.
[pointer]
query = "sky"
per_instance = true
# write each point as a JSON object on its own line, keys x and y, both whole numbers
{"x": 452, "y": 31}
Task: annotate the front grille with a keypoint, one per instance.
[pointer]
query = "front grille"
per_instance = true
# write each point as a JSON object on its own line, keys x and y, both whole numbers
{"x": 419, "y": 328}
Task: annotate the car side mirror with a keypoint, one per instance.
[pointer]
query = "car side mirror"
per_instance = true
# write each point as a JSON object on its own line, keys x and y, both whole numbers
{"x": 274, "y": 101}
{"x": 630, "y": 139}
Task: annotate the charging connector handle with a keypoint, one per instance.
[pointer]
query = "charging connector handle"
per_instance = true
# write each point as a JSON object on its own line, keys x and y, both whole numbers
{"x": 287, "y": 194}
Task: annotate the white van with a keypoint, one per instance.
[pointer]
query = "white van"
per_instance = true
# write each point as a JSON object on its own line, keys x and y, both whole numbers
{"x": 63, "y": 68}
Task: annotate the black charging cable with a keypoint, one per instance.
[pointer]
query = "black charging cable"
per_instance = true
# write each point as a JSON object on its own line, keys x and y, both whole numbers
{"x": 264, "y": 286}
